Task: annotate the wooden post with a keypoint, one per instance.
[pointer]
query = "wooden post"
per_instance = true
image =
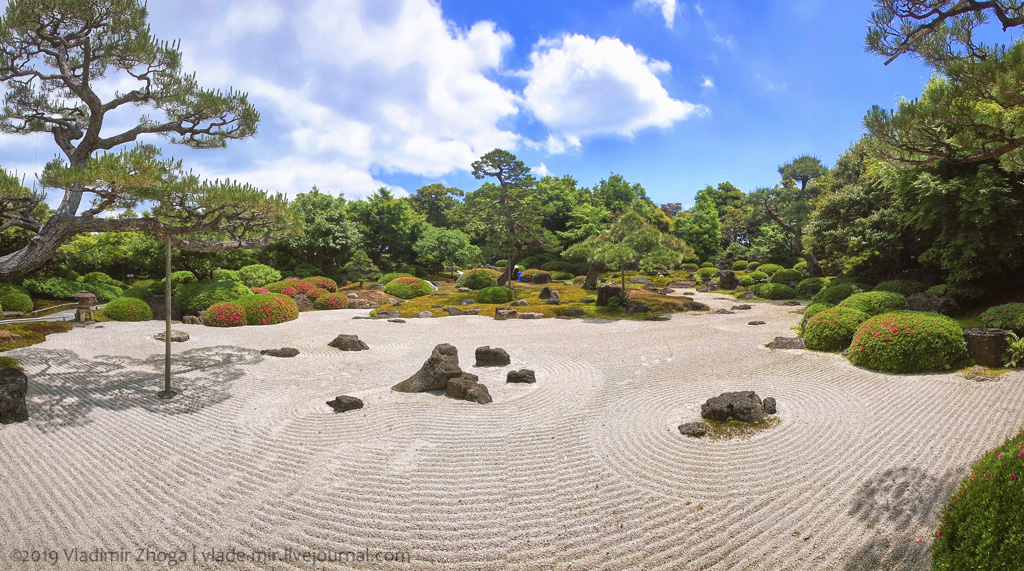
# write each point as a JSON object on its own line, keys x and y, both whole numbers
{"x": 167, "y": 393}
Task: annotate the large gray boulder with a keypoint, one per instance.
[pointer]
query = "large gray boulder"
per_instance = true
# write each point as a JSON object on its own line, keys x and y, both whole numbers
{"x": 934, "y": 303}
{"x": 442, "y": 365}
{"x": 467, "y": 387}
{"x": 13, "y": 387}
{"x": 744, "y": 406}
{"x": 303, "y": 302}
{"x": 606, "y": 292}
{"x": 986, "y": 345}
{"x": 521, "y": 376}
{"x": 545, "y": 292}
{"x": 348, "y": 343}
{"x": 727, "y": 279}
{"x": 554, "y": 298}
{"x": 488, "y": 356}
{"x": 285, "y": 352}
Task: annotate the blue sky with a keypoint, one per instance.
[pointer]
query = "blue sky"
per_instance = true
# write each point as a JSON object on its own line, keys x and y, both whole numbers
{"x": 355, "y": 94}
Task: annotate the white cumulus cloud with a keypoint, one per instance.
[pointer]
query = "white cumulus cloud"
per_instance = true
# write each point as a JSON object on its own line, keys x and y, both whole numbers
{"x": 579, "y": 86}
{"x": 668, "y": 9}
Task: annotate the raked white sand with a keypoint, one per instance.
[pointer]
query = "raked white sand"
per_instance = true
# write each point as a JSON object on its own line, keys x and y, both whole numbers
{"x": 584, "y": 470}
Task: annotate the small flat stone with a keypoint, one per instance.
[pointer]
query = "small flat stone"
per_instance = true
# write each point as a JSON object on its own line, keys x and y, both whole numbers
{"x": 396, "y": 321}
{"x": 743, "y": 306}
{"x": 283, "y": 352}
{"x": 176, "y": 336}
{"x": 519, "y": 303}
{"x": 588, "y": 300}
{"x": 453, "y": 311}
{"x": 787, "y": 343}
{"x": 349, "y": 295}
{"x": 746, "y": 295}
{"x": 424, "y": 314}
{"x": 388, "y": 314}
{"x": 574, "y": 312}
{"x": 531, "y": 315}
{"x": 437, "y": 306}
{"x": 791, "y": 303}
{"x": 755, "y": 323}
{"x": 463, "y": 290}
{"x": 723, "y": 312}
{"x": 694, "y": 429}
{"x": 348, "y": 343}
{"x": 344, "y": 403}
{"x": 466, "y": 302}
{"x": 473, "y": 311}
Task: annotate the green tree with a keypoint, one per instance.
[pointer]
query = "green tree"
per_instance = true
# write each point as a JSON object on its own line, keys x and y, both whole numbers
{"x": 510, "y": 209}
{"x": 441, "y": 246}
{"x": 700, "y": 227}
{"x": 53, "y": 58}
{"x": 789, "y": 205}
{"x": 329, "y": 236}
{"x": 436, "y": 202}
{"x": 361, "y": 267}
{"x": 617, "y": 193}
{"x": 389, "y": 228}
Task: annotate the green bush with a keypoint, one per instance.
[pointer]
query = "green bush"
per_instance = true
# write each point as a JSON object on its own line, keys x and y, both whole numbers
{"x": 478, "y": 279}
{"x": 704, "y": 275}
{"x": 815, "y": 309}
{"x": 6, "y": 288}
{"x": 982, "y": 526}
{"x": 60, "y": 288}
{"x": 386, "y": 278}
{"x": 759, "y": 277}
{"x": 529, "y": 275}
{"x": 810, "y": 286}
{"x": 745, "y": 281}
{"x": 751, "y": 266}
{"x": 706, "y": 265}
{"x": 407, "y": 287}
{"x": 497, "y": 294}
{"x": 769, "y": 269}
{"x": 833, "y": 329}
{"x": 141, "y": 289}
{"x": 689, "y": 267}
{"x": 293, "y": 288}
{"x": 277, "y": 287}
{"x": 739, "y": 265}
{"x": 562, "y": 276}
{"x": 834, "y": 293}
{"x": 197, "y": 296}
{"x": 323, "y": 283}
{"x": 313, "y": 294}
{"x": 225, "y": 314}
{"x": 100, "y": 278}
{"x": 128, "y": 309}
{"x": 228, "y": 275}
{"x": 786, "y": 276}
{"x": 555, "y": 266}
{"x": 875, "y": 302}
{"x": 907, "y": 342}
{"x": 258, "y": 275}
{"x": 1008, "y": 316}
{"x": 15, "y": 301}
{"x": 774, "y": 291}
{"x": 331, "y": 301}
{"x": 802, "y": 268}
{"x": 905, "y": 288}
{"x": 501, "y": 264}
{"x": 268, "y": 309}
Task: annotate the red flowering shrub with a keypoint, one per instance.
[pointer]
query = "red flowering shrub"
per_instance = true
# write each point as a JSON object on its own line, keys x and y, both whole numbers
{"x": 323, "y": 283}
{"x": 833, "y": 329}
{"x": 268, "y": 309}
{"x": 528, "y": 275}
{"x": 407, "y": 287}
{"x": 331, "y": 301}
{"x": 315, "y": 293}
{"x": 907, "y": 342}
{"x": 225, "y": 314}
{"x": 292, "y": 288}
{"x": 259, "y": 290}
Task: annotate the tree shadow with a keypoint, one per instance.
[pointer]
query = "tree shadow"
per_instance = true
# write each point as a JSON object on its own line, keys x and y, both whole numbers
{"x": 904, "y": 499}
{"x": 64, "y": 387}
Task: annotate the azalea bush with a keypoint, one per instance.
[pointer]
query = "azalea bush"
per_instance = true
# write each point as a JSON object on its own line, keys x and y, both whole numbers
{"x": 268, "y": 309}
{"x": 479, "y": 279}
{"x": 904, "y": 287}
{"x": 815, "y": 309}
{"x": 386, "y": 278}
{"x": 774, "y": 291}
{"x": 739, "y": 265}
{"x": 802, "y": 268}
{"x": 331, "y": 301}
{"x": 835, "y": 293}
{"x": 875, "y": 302}
{"x": 259, "y": 290}
{"x": 15, "y": 301}
{"x": 833, "y": 329}
{"x": 293, "y": 288}
{"x": 225, "y": 314}
{"x": 810, "y": 286}
{"x": 128, "y": 309}
{"x": 561, "y": 276}
{"x": 751, "y": 266}
{"x": 1008, "y": 316}
{"x": 408, "y": 287}
{"x": 315, "y": 292}
{"x": 759, "y": 277}
{"x": 497, "y": 294}
{"x": 770, "y": 269}
{"x": 257, "y": 275}
{"x": 982, "y": 525}
{"x": 907, "y": 342}
{"x": 197, "y": 296}
{"x": 323, "y": 283}
{"x": 529, "y": 275}
{"x": 689, "y": 267}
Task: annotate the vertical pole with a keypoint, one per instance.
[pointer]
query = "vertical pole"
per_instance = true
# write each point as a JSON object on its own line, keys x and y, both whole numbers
{"x": 167, "y": 393}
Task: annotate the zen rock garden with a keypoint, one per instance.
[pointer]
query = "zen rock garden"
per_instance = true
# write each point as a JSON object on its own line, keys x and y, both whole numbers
{"x": 739, "y": 406}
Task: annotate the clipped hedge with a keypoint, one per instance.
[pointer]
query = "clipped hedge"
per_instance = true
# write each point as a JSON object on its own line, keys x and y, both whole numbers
{"x": 407, "y": 287}
{"x": 982, "y": 525}
{"x": 783, "y": 276}
{"x": 229, "y": 275}
{"x": 751, "y": 266}
{"x": 258, "y": 275}
{"x": 561, "y": 276}
{"x": 479, "y": 278}
{"x": 141, "y": 289}
{"x": 100, "y": 278}
{"x": 739, "y": 265}
{"x": 293, "y": 288}
{"x": 1007, "y": 316}
{"x": 260, "y": 290}
{"x": 905, "y": 288}
{"x": 15, "y": 301}
{"x": 835, "y": 293}
{"x": 128, "y": 309}
{"x": 810, "y": 286}
{"x": 496, "y": 294}
{"x": 833, "y": 329}
{"x": 322, "y": 282}
{"x": 386, "y": 278}
{"x": 875, "y": 302}
{"x": 198, "y": 296}
{"x": 331, "y": 301}
{"x": 6, "y": 288}
{"x": 705, "y": 275}
{"x": 225, "y": 314}
{"x": 815, "y": 309}
{"x": 770, "y": 269}
{"x": 555, "y": 266}
{"x": 759, "y": 277}
{"x": 706, "y": 265}
{"x": 802, "y": 268}
{"x": 689, "y": 267}
{"x": 908, "y": 342}
{"x": 745, "y": 281}
{"x": 313, "y": 293}
{"x": 774, "y": 291}
{"x": 268, "y": 309}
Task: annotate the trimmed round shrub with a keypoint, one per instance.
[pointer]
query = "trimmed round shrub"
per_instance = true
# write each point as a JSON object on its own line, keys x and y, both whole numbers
{"x": 875, "y": 302}
{"x": 782, "y": 276}
{"x": 198, "y": 296}
{"x": 739, "y": 265}
{"x": 706, "y": 265}
{"x": 707, "y": 274}
{"x": 815, "y": 309}
{"x": 331, "y": 301}
{"x": 268, "y": 309}
{"x": 745, "y": 281}
{"x": 258, "y": 275}
{"x": 561, "y": 276}
{"x": 100, "y": 278}
{"x": 407, "y": 287}
{"x": 774, "y": 291}
{"x": 982, "y": 526}
{"x": 580, "y": 278}
{"x": 501, "y": 263}
{"x": 128, "y": 309}
{"x": 907, "y": 342}
{"x": 15, "y": 301}
{"x": 555, "y": 266}
{"x": 478, "y": 279}
{"x": 810, "y": 286}
{"x": 905, "y": 288}
{"x": 834, "y": 293}
{"x": 60, "y": 288}
{"x": 323, "y": 283}
{"x": 229, "y": 275}
{"x": 833, "y": 329}
{"x": 1007, "y": 316}
{"x": 769, "y": 269}
{"x": 276, "y": 287}
{"x": 497, "y": 294}
{"x": 386, "y": 278}
{"x": 314, "y": 293}
{"x": 759, "y": 277}
{"x": 689, "y": 267}
{"x": 260, "y": 290}
{"x": 225, "y": 314}
{"x": 6, "y": 288}
{"x": 529, "y": 275}
{"x": 295, "y": 287}
{"x": 141, "y": 289}
{"x": 802, "y": 268}
{"x": 751, "y": 266}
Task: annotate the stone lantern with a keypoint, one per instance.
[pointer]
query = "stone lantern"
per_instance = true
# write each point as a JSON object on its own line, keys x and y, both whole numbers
{"x": 86, "y": 306}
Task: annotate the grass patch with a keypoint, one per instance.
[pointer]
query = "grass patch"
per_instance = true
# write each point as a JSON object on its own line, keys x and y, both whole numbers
{"x": 32, "y": 333}
{"x": 969, "y": 320}
{"x": 730, "y": 429}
